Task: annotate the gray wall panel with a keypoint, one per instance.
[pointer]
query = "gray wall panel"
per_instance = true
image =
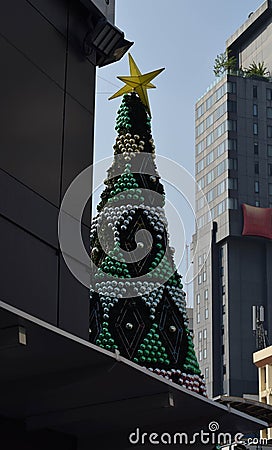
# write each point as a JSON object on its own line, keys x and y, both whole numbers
{"x": 35, "y": 37}
{"x": 31, "y": 119}
{"x": 55, "y": 11}
{"x": 29, "y": 272}
{"x": 46, "y": 140}
{"x": 78, "y": 144}
{"x": 80, "y": 79}
{"x": 30, "y": 211}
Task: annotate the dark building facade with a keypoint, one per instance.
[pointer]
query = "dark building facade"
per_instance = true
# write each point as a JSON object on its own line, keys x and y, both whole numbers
{"x": 47, "y": 118}
{"x": 234, "y": 167}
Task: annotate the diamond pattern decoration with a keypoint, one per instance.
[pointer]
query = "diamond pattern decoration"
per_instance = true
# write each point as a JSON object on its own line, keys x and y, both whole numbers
{"x": 129, "y": 320}
{"x": 95, "y": 319}
{"x": 171, "y": 328}
{"x": 128, "y": 242}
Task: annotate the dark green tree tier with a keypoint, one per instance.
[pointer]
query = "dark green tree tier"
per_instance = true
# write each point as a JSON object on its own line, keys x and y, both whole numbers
{"x": 137, "y": 303}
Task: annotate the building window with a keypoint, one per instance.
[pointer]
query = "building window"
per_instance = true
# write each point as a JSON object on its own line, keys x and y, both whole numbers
{"x": 257, "y": 203}
{"x": 255, "y": 92}
{"x": 204, "y": 276}
{"x": 232, "y": 125}
{"x": 209, "y": 121}
{"x": 209, "y": 102}
{"x": 256, "y": 148}
{"x": 200, "y": 147}
{"x": 206, "y": 313}
{"x": 201, "y": 183}
{"x": 269, "y": 94}
{"x": 223, "y": 289}
{"x": 256, "y": 168}
{"x": 209, "y": 139}
{"x": 199, "y": 336}
{"x": 269, "y": 131}
{"x": 223, "y": 309}
{"x": 199, "y": 129}
{"x": 205, "y": 333}
{"x": 197, "y": 299}
{"x": 200, "y": 355}
{"x": 198, "y": 318}
{"x": 199, "y": 278}
{"x": 221, "y": 207}
{"x": 270, "y": 188}
{"x": 232, "y": 164}
{"x": 232, "y": 203}
{"x": 210, "y": 195}
{"x": 221, "y": 188}
{"x": 232, "y": 183}
{"x": 255, "y": 110}
{"x": 269, "y": 150}
{"x": 221, "y": 168}
{"x": 231, "y": 87}
{"x": 210, "y": 176}
{"x": 269, "y": 112}
{"x": 255, "y": 129}
{"x": 204, "y": 353}
{"x": 232, "y": 144}
{"x": 206, "y": 373}
{"x": 209, "y": 158}
{"x": 206, "y": 294}
{"x": 270, "y": 170}
{"x": 200, "y": 111}
{"x": 224, "y": 369}
{"x": 257, "y": 187}
{"x": 200, "y": 203}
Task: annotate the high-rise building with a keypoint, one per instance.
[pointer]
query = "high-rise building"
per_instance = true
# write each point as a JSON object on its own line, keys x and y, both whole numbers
{"x": 232, "y": 265}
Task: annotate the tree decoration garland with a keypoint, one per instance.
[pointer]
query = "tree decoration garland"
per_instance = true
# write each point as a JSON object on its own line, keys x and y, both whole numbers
{"x": 137, "y": 302}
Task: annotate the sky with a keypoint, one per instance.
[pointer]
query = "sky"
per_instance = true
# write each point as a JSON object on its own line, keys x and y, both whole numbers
{"x": 184, "y": 37}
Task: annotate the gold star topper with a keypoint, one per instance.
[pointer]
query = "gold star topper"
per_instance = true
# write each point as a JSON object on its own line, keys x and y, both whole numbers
{"x": 137, "y": 82}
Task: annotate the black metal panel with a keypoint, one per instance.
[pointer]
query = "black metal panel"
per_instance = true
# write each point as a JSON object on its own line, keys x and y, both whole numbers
{"x": 80, "y": 21}
{"x": 28, "y": 209}
{"x": 37, "y": 39}
{"x": 46, "y": 140}
{"x": 31, "y": 124}
{"x": 80, "y": 78}
{"x": 54, "y": 11}
{"x": 29, "y": 272}
{"x": 78, "y": 145}
{"x": 74, "y": 298}
{"x": 73, "y": 304}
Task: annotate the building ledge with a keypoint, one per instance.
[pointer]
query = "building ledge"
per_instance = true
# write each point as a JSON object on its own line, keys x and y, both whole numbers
{"x": 254, "y": 408}
{"x": 254, "y": 20}
{"x": 53, "y": 380}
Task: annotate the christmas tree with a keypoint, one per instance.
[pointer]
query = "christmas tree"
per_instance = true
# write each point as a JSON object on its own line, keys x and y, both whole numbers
{"x": 137, "y": 303}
